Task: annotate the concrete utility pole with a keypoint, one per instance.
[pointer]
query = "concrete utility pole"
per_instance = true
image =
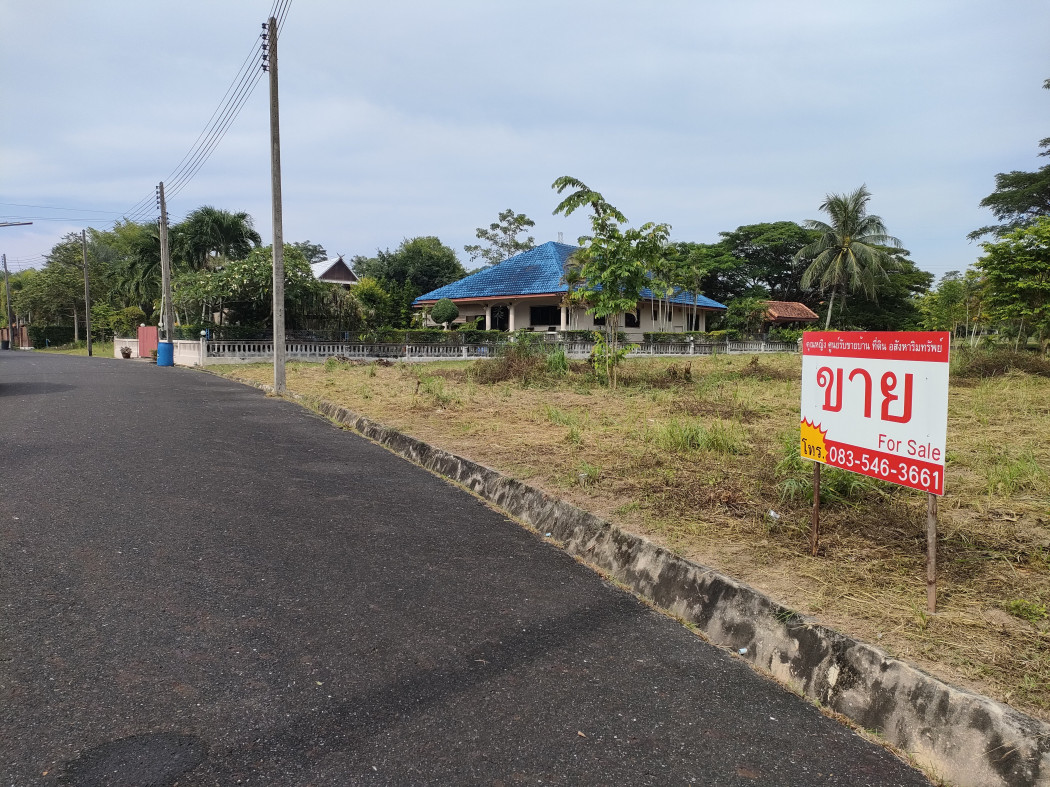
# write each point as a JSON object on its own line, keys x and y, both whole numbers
{"x": 270, "y": 38}
{"x": 167, "y": 310}
{"x": 87, "y": 293}
{"x": 10, "y": 325}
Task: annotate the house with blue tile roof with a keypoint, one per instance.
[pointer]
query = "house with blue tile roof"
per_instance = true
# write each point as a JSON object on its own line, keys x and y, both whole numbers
{"x": 528, "y": 291}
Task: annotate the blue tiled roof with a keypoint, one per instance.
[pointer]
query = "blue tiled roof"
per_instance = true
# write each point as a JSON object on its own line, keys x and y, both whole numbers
{"x": 537, "y": 271}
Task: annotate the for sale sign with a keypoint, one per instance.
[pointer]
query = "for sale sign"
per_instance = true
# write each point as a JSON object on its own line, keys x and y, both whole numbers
{"x": 877, "y": 404}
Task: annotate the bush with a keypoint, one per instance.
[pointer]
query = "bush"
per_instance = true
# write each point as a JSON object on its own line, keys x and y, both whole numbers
{"x": 444, "y": 312}
{"x": 662, "y": 337}
{"x": 724, "y": 335}
{"x": 126, "y": 322}
{"x": 790, "y": 335}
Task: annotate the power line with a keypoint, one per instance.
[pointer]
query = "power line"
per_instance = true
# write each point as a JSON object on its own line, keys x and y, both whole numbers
{"x": 237, "y": 94}
{"x": 57, "y": 207}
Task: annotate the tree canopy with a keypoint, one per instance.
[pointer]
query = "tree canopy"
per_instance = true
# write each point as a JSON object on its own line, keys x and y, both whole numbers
{"x": 501, "y": 238}
{"x": 614, "y": 263}
{"x": 423, "y": 263}
{"x": 851, "y": 252}
{"x": 1019, "y": 197}
{"x": 1016, "y": 272}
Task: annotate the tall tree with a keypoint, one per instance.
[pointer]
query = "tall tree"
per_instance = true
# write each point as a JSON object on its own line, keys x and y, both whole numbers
{"x": 767, "y": 255}
{"x": 614, "y": 262}
{"x": 1017, "y": 279}
{"x": 208, "y": 236}
{"x": 423, "y": 263}
{"x": 313, "y": 252}
{"x": 852, "y": 251}
{"x": 502, "y": 238}
{"x": 1019, "y": 197}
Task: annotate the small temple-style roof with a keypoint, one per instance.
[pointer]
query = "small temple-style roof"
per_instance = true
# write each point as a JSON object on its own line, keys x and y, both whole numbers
{"x": 334, "y": 270}
{"x": 538, "y": 271}
{"x": 790, "y": 311}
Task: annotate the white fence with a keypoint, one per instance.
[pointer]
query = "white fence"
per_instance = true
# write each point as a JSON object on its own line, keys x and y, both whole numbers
{"x": 206, "y": 353}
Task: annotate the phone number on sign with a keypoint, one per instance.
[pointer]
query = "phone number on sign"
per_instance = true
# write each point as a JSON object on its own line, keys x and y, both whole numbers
{"x": 917, "y": 475}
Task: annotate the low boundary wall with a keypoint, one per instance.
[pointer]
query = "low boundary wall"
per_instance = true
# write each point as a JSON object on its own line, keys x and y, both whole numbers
{"x": 965, "y": 738}
{"x": 207, "y": 353}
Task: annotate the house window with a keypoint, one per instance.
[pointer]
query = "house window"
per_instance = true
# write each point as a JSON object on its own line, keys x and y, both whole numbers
{"x": 632, "y": 319}
{"x": 599, "y": 321}
{"x": 694, "y": 321}
{"x": 545, "y": 315}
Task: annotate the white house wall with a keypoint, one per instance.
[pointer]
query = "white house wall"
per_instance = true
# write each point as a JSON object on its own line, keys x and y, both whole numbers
{"x": 520, "y": 316}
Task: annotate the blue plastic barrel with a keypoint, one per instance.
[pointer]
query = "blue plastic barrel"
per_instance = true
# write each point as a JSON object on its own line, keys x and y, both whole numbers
{"x": 165, "y": 353}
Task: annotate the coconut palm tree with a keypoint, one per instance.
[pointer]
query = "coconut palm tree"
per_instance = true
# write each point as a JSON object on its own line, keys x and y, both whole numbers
{"x": 208, "y": 236}
{"x": 851, "y": 253}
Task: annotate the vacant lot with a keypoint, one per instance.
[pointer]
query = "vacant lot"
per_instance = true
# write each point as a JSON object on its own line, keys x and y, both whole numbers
{"x": 703, "y": 459}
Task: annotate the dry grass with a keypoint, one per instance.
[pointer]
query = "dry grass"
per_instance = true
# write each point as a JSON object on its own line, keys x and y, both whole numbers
{"x": 697, "y": 457}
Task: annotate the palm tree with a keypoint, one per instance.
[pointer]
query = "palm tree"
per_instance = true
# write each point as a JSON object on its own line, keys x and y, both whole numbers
{"x": 851, "y": 253}
{"x": 209, "y": 233}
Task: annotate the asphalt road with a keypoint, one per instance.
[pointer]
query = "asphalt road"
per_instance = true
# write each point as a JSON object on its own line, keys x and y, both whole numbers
{"x": 204, "y": 585}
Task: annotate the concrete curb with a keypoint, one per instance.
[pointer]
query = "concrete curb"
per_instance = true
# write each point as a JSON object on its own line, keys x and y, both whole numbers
{"x": 964, "y": 738}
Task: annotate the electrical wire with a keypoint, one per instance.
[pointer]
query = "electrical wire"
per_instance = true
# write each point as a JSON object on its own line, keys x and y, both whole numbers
{"x": 233, "y": 101}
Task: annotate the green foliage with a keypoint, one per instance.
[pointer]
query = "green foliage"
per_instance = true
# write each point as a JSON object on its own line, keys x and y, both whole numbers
{"x": 243, "y": 288}
{"x": 209, "y": 238}
{"x": 1026, "y": 610}
{"x": 791, "y": 335}
{"x": 614, "y": 263}
{"x": 895, "y": 306}
{"x": 606, "y": 356}
{"x": 837, "y": 486}
{"x": 557, "y": 362}
{"x": 1007, "y": 474}
{"x": 502, "y": 238}
{"x": 423, "y": 263}
{"x": 766, "y": 255}
{"x": 1016, "y": 274}
{"x": 444, "y": 312}
{"x": 1019, "y": 197}
{"x": 312, "y": 252}
{"x": 746, "y": 315}
{"x": 663, "y": 337}
{"x": 851, "y": 252}
{"x": 721, "y": 437}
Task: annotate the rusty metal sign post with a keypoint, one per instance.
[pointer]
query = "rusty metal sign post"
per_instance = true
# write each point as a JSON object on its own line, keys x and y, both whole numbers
{"x": 876, "y": 403}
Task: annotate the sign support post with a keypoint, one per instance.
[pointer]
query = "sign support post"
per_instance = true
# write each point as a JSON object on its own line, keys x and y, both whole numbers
{"x": 814, "y": 533}
{"x": 931, "y": 552}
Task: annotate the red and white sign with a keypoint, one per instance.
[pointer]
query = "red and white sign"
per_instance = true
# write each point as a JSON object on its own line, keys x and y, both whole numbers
{"x": 877, "y": 404}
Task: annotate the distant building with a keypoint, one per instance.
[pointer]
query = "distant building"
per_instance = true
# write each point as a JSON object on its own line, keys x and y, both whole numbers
{"x": 528, "y": 292}
{"x": 783, "y": 313}
{"x": 334, "y": 271}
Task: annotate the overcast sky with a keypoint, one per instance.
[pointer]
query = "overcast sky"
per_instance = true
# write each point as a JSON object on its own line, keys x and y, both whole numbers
{"x": 408, "y": 118}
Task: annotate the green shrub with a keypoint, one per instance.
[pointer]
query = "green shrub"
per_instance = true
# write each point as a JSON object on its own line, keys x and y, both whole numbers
{"x": 444, "y": 312}
{"x": 791, "y": 335}
{"x": 662, "y": 337}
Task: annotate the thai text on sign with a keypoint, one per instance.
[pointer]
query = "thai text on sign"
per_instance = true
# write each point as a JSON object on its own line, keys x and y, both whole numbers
{"x": 877, "y": 404}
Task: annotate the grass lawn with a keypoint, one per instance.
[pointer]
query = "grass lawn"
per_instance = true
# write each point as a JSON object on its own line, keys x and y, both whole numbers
{"x": 98, "y": 350}
{"x": 696, "y": 457}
